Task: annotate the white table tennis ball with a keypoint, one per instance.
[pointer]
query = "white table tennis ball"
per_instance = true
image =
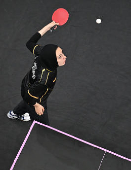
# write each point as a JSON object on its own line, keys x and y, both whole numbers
{"x": 98, "y": 21}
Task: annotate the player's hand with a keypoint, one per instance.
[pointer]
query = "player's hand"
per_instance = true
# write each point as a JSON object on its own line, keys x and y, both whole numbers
{"x": 39, "y": 109}
{"x": 52, "y": 24}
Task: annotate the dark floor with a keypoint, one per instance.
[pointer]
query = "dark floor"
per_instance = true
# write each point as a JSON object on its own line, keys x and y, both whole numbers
{"x": 47, "y": 149}
{"x": 91, "y": 99}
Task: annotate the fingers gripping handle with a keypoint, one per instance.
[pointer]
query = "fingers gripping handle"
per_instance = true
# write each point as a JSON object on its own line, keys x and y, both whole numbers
{"x": 51, "y": 30}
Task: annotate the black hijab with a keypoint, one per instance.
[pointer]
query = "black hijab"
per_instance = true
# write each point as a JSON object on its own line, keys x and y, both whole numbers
{"x": 48, "y": 56}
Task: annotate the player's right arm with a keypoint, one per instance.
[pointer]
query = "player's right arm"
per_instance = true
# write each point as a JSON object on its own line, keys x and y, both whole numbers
{"x": 32, "y": 42}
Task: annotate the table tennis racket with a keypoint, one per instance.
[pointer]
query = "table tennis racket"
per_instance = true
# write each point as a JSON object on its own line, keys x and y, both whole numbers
{"x": 60, "y": 16}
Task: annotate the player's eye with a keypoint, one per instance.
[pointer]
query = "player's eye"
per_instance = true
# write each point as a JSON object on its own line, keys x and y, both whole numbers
{"x": 60, "y": 56}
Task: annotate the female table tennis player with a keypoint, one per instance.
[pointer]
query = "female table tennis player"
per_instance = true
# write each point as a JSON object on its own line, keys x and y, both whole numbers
{"x": 39, "y": 82}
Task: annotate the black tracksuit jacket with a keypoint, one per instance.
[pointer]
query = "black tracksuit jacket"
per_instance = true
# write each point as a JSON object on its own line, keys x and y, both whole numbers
{"x": 39, "y": 81}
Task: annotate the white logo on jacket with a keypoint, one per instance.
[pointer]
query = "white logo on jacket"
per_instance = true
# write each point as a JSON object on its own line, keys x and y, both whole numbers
{"x": 33, "y": 70}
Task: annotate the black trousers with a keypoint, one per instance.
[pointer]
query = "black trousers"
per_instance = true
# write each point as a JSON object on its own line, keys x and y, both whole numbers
{"x": 23, "y": 107}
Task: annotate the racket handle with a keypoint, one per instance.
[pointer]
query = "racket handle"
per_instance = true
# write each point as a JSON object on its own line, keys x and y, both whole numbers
{"x": 51, "y": 30}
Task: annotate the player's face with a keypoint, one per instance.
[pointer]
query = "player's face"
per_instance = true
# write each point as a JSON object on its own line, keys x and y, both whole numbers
{"x": 61, "y": 58}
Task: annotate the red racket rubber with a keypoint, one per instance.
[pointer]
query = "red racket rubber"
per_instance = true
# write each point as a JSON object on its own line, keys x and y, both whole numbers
{"x": 60, "y": 16}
